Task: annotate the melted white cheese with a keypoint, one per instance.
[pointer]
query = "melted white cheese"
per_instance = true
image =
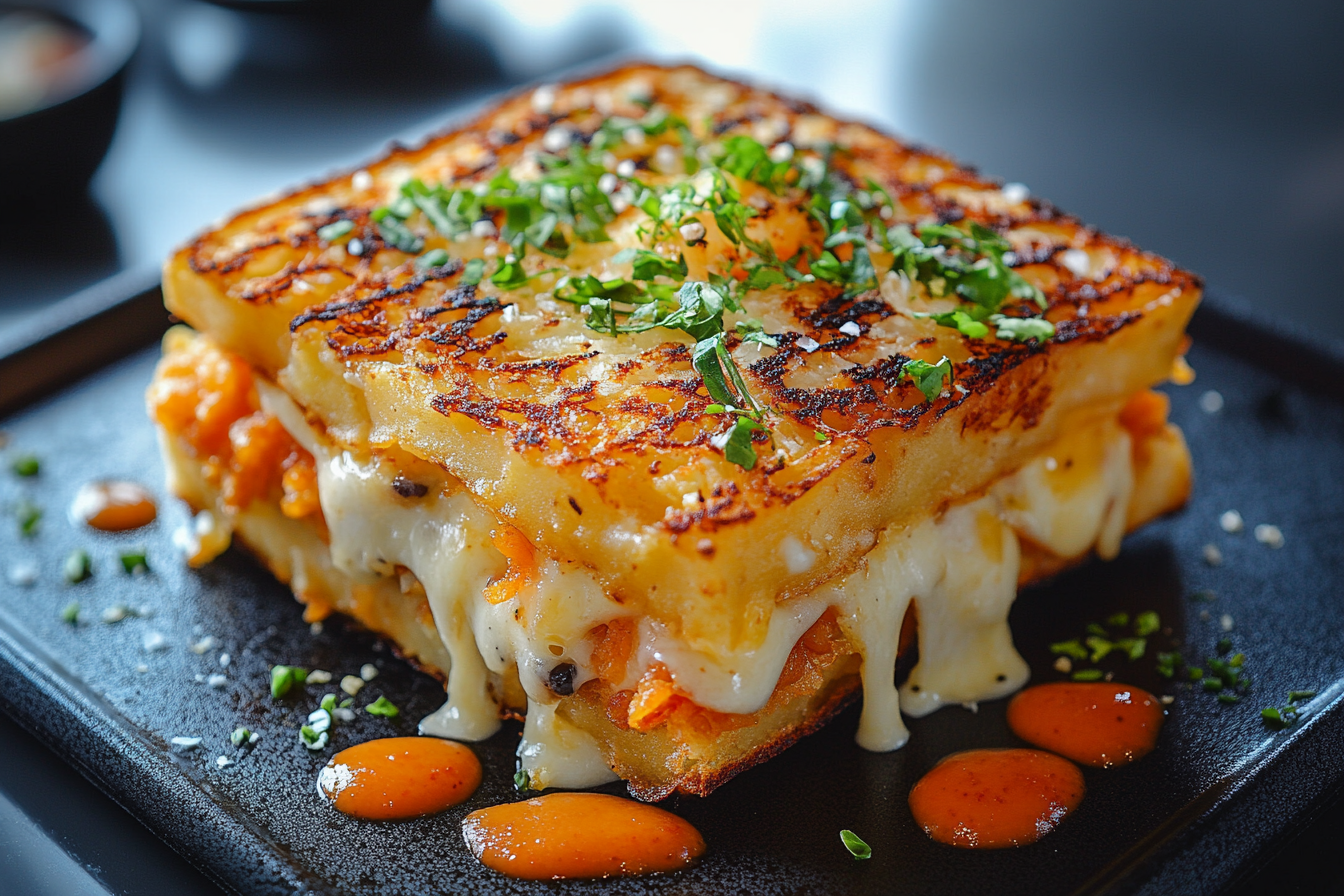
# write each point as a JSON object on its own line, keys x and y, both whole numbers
{"x": 960, "y": 569}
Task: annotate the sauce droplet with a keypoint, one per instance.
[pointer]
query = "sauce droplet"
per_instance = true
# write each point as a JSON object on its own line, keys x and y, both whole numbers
{"x": 114, "y": 506}
{"x": 1095, "y": 723}
{"x": 400, "y": 777}
{"x": 564, "y": 835}
{"x": 988, "y": 799}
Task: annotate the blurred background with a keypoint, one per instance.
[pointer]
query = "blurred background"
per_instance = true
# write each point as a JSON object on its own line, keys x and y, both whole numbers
{"x": 1212, "y": 133}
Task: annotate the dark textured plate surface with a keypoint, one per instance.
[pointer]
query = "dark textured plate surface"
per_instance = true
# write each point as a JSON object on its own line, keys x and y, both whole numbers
{"x": 1187, "y": 819}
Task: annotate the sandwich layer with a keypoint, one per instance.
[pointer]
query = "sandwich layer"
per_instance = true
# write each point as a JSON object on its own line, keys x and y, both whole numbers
{"x": 402, "y": 547}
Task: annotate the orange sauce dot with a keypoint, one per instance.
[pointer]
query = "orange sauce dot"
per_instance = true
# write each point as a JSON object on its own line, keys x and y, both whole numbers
{"x": 989, "y": 799}
{"x": 589, "y": 835}
{"x": 114, "y": 506}
{"x": 400, "y": 777}
{"x": 1100, "y": 724}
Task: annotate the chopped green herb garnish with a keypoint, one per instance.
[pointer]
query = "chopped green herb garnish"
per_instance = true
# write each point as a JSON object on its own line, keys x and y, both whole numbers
{"x": 1167, "y": 663}
{"x": 26, "y": 465}
{"x": 1146, "y": 623}
{"x": 1212, "y": 683}
{"x": 1283, "y": 716}
{"x": 1223, "y": 645}
{"x": 134, "y": 559}
{"x": 1132, "y": 647}
{"x": 1228, "y": 698}
{"x": 312, "y": 738}
{"x": 29, "y": 516}
{"x": 78, "y": 566}
{"x": 1095, "y": 629}
{"x": 857, "y": 848}
{"x": 522, "y": 781}
{"x": 1195, "y": 672}
{"x": 71, "y": 613}
{"x": 1100, "y": 647}
{"x": 949, "y": 260}
{"x": 335, "y": 230}
{"x": 434, "y": 258}
{"x": 1072, "y": 648}
{"x": 328, "y": 703}
{"x": 283, "y": 679}
{"x": 1118, "y": 619}
{"x": 1020, "y": 329}
{"x": 1087, "y": 675}
{"x": 472, "y": 272}
{"x": 928, "y": 378}
{"x": 240, "y": 736}
{"x": 383, "y": 707}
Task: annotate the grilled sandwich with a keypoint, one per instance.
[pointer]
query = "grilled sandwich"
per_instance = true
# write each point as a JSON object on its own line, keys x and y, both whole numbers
{"x": 669, "y": 414}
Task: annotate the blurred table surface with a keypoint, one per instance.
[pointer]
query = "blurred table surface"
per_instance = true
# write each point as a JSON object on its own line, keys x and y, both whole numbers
{"x": 1212, "y": 133}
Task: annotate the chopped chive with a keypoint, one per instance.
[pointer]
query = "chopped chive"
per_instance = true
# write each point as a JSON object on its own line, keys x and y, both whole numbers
{"x": 1094, "y": 629}
{"x": 472, "y": 272}
{"x": 78, "y": 566}
{"x": 29, "y": 515}
{"x": 1294, "y": 696}
{"x": 1100, "y": 647}
{"x": 1133, "y": 647}
{"x": 1223, "y": 645}
{"x": 1166, "y": 664}
{"x": 335, "y": 230}
{"x": 1228, "y": 698}
{"x": 26, "y": 465}
{"x": 383, "y": 707}
{"x": 1213, "y": 684}
{"x": 1072, "y": 648}
{"x": 522, "y": 781}
{"x": 1147, "y": 623}
{"x": 329, "y": 703}
{"x": 283, "y": 679}
{"x": 134, "y": 559}
{"x": 854, "y": 843}
{"x": 1087, "y": 675}
{"x": 240, "y": 736}
{"x": 71, "y": 613}
{"x": 1272, "y": 715}
{"x": 434, "y": 258}
{"x": 1196, "y": 673}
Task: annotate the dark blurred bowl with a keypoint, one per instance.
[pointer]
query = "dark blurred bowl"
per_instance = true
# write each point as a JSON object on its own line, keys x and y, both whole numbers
{"x": 56, "y": 147}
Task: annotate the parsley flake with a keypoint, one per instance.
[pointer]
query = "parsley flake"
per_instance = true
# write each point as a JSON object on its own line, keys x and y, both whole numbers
{"x": 383, "y": 707}
{"x": 283, "y": 679}
{"x": 78, "y": 566}
{"x": 854, "y": 843}
{"x": 928, "y": 378}
{"x": 26, "y": 465}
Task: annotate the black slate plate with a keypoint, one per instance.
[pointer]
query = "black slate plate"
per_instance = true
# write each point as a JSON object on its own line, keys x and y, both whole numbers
{"x": 1189, "y": 818}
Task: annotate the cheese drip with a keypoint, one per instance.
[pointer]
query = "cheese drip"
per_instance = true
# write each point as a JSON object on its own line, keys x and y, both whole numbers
{"x": 959, "y": 568}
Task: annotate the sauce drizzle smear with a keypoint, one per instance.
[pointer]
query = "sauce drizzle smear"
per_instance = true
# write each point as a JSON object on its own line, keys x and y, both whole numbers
{"x": 989, "y": 799}
{"x": 1095, "y": 723}
{"x": 400, "y": 777}
{"x": 563, "y": 835}
{"x": 114, "y": 506}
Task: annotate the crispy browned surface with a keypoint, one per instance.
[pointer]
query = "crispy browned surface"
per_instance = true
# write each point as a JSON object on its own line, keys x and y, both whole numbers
{"x": 591, "y": 445}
